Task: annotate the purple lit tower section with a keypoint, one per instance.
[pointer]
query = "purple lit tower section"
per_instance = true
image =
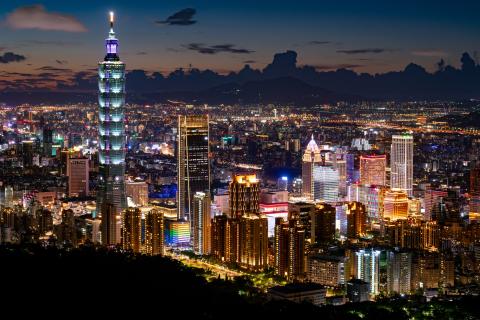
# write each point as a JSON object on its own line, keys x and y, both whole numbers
{"x": 111, "y": 198}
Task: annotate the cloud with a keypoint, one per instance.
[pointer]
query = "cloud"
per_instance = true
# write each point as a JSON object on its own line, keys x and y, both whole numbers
{"x": 363, "y": 51}
{"x": 141, "y": 53}
{"x": 249, "y": 61}
{"x": 316, "y": 42}
{"x": 36, "y": 17}
{"x": 204, "y": 49}
{"x": 8, "y": 57}
{"x": 430, "y": 53}
{"x": 61, "y": 61}
{"x": 329, "y": 67}
{"x": 59, "y": 43}
{"x": 53, "y": 69}
{"x": 180, "y": 18}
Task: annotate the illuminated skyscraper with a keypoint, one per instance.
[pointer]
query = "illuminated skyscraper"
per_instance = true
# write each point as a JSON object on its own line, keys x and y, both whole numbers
{"x": 474, "y": 213}
{"x": 323, "y": 223}
{"x": 111, "y": 136}
{"x": 154, "y": 233}
{"x": 326, "y": 183}
{"x": 193, "y": 163}
{"x": 244, "y": 193}
{"x": 311, "y": 158}
{"x": 399, "y": 272}
{"x": 401, "y": 163}
{"x": 132, "y": 229}
{"x": 78, "y": 181}
{"x": 253, "y": 242}
{"x": 289, "y": 249}
{"x": 395, "y": 205}
{"x": 372, "y": 170}
{"x": 356, "y": 219}
{"x": 201, "y": 223}
{"x": 367, "y": 268}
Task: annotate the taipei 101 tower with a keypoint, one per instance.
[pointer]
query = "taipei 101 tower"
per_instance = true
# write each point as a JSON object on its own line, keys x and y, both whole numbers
{"x": 111, "y": 198}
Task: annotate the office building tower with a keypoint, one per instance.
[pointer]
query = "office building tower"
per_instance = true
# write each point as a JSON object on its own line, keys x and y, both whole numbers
{"x": 373, "y": 170}
{"x": 302, "y": 212}
{"x": 289, "y": 249}
{"x": 78, "y": 179}
{"x": 193, "y": 164}
{"x": 395, "y": 205}
{"x": 401, "y": 163}
{"x": 326, "y": 183}
{"x": 218, "y": 237}
{"x": 244, "y": 195}
{"x": 201, "y": 222}
{"x": 154, "y": 233}
{"x": 474, "y": 205}
{"x": 111, "y": 135}
{"x": 399, "y": 272}
{"x": 132, "y": 229}
{"x": 326, "y": 270}
{"x": 431, "y": 200}
{"x": 47, "y": 142}
{"x": 367, "y": 268}
{"x": 356, "y": 219}
{"x": 111, "y": 225}
{"x": 253, "y": 242}
{"x": 137, "y": 191}
{"x": 323, "y": 223}
{"x": 177, "y": 233}
{"x": 27, "y": 153}
{"x": 66, "y": 231}
{"x": 311, "y": 158}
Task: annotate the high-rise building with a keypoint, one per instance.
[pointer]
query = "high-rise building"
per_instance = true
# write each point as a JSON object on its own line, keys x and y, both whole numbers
{"x": 474, "y": 213}
{"x": 373, "y": 170}
{"x": 395, "y": 205}
{"x": 137, "y": 190}
{"x": 367, "y": 268}
{"x": 289, "y": 249}
{"x": 311, "y": 158}
{"x": 201, "y": 223}
{"x": 244, "y": 195}
{"x": 27, "y": 153}
{"x": 132, "y": 229}
{"x": 326, "y": 270}
{"x": 154, "y": 233}
{"x": 401, "y": 163}
{"x": 253, "y": 242}
{"x": 356, "y": 219}
{"x": 323, "y": 223}
{"x": 218, "y": 237}
{"x": 111, "y": 225}
{"x": 111, "y": 134}
{"x": 399, "y": 272}
{"x": 326, "y": 183}
{"x": 358, "y": 290}
{"x": 193, "y": 164}
{"x": 47, "y": 142}
{"x": 78, "y": 180}
{"x": 177, "y": 233}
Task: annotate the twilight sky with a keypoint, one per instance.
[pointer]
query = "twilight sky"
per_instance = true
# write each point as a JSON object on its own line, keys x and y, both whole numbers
{"x": 366, "y": 36}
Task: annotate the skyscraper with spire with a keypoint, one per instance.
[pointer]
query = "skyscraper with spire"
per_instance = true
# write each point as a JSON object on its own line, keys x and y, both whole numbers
{"x": 111, "y": 199}
{"x": 311, "y": 158}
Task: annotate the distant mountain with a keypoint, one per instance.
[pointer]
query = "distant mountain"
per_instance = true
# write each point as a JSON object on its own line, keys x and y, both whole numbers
{"x": 281, "y": 81}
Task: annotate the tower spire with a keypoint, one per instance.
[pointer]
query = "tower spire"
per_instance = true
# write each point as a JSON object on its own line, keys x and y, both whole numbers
{"x": 112, "y": 19}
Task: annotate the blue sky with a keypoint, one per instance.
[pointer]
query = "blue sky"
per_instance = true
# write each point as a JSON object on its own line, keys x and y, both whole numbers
{"x": 368, "y": 36}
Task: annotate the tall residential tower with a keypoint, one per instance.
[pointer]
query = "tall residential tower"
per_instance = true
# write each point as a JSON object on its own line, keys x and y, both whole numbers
{"x": 401, "y": 163}
{"x": 111, "y": 140}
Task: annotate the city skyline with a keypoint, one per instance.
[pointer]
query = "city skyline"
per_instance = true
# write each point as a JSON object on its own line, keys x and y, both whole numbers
{"x": 289, "y": 191}
{"x": 215, "y": 37}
